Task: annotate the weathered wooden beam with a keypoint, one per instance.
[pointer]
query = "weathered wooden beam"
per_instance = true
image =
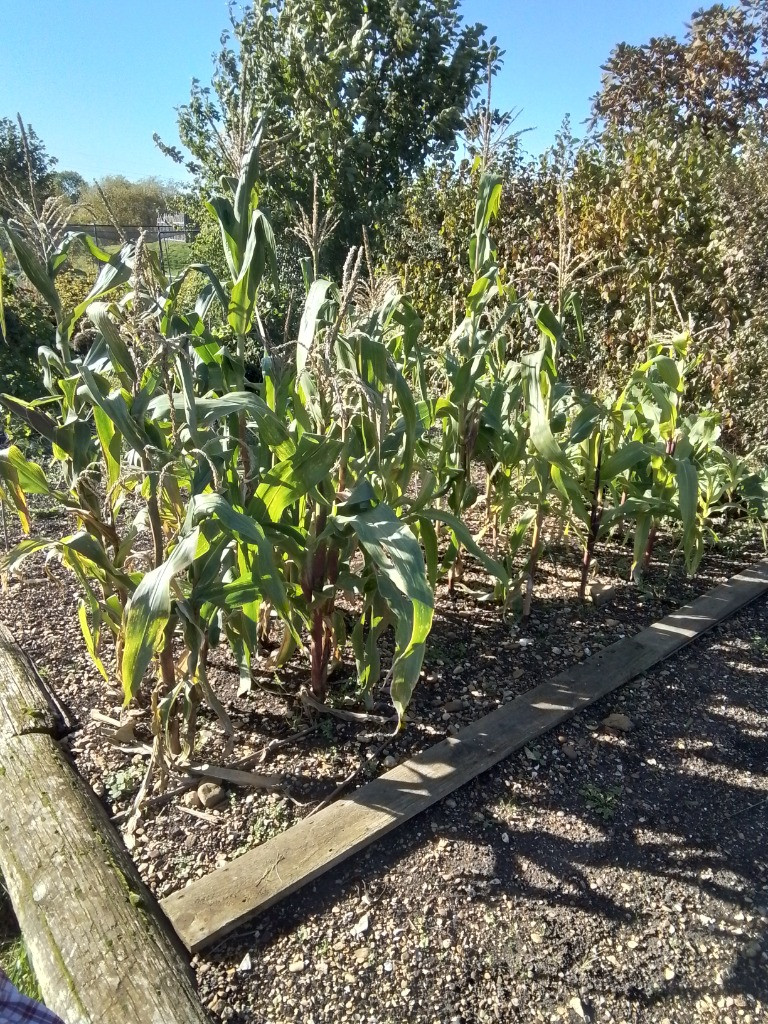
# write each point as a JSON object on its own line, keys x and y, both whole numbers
{"x": 100, "y": 948}
{"x": 214, "y": 905}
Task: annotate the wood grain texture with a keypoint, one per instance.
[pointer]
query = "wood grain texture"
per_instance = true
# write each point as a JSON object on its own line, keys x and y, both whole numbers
{"x": 97, "y": 941}
{"x": 214, "y": 905}
{"x": 23, "y": 708}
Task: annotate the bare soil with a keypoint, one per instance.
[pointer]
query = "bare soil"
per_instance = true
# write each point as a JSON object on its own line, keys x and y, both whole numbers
{"x": 601, "y": 875}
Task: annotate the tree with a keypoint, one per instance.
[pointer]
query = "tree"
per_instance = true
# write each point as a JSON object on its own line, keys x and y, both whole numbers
{"x": 669, "y": 135}
{"x": 69, "y": 184}
{"x": 715, "y": 78}
{"x": 127, "y": 202}
{"x": 24, "y": 163}
{"x": 359, "y": 93}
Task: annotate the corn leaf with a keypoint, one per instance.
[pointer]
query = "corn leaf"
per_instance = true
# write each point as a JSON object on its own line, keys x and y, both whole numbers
{"x": 148, "y": 612}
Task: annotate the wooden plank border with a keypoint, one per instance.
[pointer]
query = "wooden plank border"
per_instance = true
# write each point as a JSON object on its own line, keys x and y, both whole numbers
{"x": 214, "y": 905}
{"x": 98, "y": 944}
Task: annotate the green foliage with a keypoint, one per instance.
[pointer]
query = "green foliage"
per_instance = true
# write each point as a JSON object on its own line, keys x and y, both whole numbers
{"x": 69, "y": 184}
{"x": 26, "y": 327}
{"x": 656, "y": 222}
{"x": 116, "y": 199}
{"x": 360, "y": 95}
{"x": 603, "y": 802}
{"x": 319, "y": 505}
{"x": 23, "y": 159}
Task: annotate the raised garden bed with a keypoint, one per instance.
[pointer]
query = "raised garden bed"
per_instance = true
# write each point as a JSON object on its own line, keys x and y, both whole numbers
{"x": 484, "y": 666}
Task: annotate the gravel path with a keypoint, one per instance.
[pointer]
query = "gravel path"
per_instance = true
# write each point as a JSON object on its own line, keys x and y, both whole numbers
{"x": 600, "y": 876}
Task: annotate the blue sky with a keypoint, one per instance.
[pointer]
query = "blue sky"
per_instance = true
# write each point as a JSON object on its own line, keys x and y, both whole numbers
{"x": 97, "y": 77}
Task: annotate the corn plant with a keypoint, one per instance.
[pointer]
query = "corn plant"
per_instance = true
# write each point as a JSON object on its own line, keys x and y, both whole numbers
{"x": 204, "y": 505}
{"x": 210, "y": 510}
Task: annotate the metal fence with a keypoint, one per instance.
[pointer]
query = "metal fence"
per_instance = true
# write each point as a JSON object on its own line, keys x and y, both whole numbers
{"x": 167, "y": 233}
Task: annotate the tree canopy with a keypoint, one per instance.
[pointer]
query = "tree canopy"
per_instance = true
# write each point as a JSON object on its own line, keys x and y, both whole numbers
{"x": 359, "y": 93}
{"x": 114, "y": 197}
{"x": 716, "y": 77}
{"x": 19, "y": 170}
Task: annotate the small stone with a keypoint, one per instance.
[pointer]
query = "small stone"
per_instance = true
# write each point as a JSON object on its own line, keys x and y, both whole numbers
{"x": 619, "y": 722}
{"x": 537, "y": 937}
{"x": 505, "y": 837}
{"x": 576, "y": 1005}
{"x": 669, "y": 974}
{"x": 612, "y": 623}
{"x": 191, "y": 799}
{"x": 389, "y": 761}
{"x": 360, "y": 956}
{"x": 362, "y": 925}
{"x": 245, "y": 964}
{"x": 518, "y": 673}
{"x": 525, "y": 641}
{"x": 570, "y": 751}
{"x": 450, "y": 803}
{"x": 296, "y": 966}
{"x": 556, "y": 651}
{"x": 600, "y": 594}
{"x": 210, "y": 794}
{"x": 454, "y": 705}
{"x": 753, "y": 949}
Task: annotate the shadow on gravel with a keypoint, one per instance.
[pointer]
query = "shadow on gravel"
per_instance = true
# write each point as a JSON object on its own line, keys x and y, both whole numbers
{"x": 685, "y": 809}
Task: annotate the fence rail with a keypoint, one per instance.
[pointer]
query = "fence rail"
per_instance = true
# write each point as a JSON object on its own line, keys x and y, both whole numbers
{"x": 110, "y": 234}
{"x": 168, "y": 235}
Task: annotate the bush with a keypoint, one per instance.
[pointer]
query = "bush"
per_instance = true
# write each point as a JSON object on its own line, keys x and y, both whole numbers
{"x": 27, "y": 326}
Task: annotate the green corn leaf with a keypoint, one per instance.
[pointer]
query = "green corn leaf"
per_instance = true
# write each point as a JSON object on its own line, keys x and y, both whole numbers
{"x": 122, "y": 360}
{"x": 21, "y": 551}
{"x": 247, "y": 530}
{"x": 542, "y": 438}
{"x": 248, "y": 177}
{"x": 272, "y": 429}
{"x": 291, "y": 479}
{"x": 188, "y": 396}
{"x": 413, "y": 622}
{"x": 628, "y": 456}
{"x": 393, "y": 549}
{"x": 42, "y": 424}
{"x": 115, "y": 272}
{"x": 3, "y": 329}
{"x": 571, "y": 493}
{"x": 148, "y": 612}
{"x": 365, "y": 645}
{"x": 319, "y": 294}
{"x": 585, "y": 422}
{"x": 259, "y": 252}
{"x": 221, "y": 208}
{"x": 115, "y": 406}
{"x": 548, "y": 323}
{"x": 91, "y": 637}
{"x": 109, "y": 439}
{"x": 30, "y": 475}
{"x": 34, "y": 270}
{"x": 464, "y": 537}
{"x": 668, "y": 370}
{"x": 11, "y": 490}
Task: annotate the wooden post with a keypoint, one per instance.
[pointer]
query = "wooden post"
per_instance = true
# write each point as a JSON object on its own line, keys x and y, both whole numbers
{"x": 96, "y": 939}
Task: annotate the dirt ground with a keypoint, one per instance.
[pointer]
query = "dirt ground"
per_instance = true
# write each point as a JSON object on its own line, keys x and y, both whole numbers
{"x": 601, "y": 875}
